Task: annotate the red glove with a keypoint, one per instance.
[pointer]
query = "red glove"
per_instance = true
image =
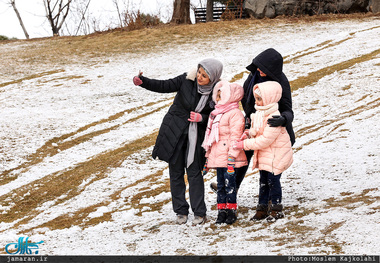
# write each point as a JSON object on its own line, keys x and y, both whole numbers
{"x": 239, "y": 145}
{"x": 244, "y": 135}
{"x": 195, "y": 117}
{"x": 137, "y": 81}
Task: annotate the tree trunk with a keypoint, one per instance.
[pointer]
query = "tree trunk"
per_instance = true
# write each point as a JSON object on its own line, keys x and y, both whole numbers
{"x": 181, "y": 12}
{"x": 210, "y": 11}
{"x": 13, "y": 3}
{"x": 56, "y": 13}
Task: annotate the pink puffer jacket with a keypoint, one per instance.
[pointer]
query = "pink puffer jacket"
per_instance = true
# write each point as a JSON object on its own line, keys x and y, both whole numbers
{"x": 231, "y": 127}
{"x": 272, "y": 147}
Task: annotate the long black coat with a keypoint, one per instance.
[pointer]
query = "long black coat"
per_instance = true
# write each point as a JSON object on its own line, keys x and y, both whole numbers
{"x": 175, "y": 123}
{"x": 270, "y": 62}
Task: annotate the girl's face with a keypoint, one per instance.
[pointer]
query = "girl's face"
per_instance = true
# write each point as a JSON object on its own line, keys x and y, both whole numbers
{"x": 218, "y": 96}
{"x": 259, "y": 100}
{"x": 202, "y": 77}
{"x": 262, "y": 74}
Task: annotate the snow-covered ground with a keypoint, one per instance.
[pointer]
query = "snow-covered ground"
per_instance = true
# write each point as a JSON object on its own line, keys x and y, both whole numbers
{"x": 54, "y": 127}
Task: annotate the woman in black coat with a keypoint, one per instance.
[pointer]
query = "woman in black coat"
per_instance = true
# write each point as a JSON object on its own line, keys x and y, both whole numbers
{"x": 182, "y": 131}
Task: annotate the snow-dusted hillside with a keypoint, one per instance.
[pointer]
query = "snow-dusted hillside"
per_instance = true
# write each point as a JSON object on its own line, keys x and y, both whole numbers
{"x": 75, "y": 144}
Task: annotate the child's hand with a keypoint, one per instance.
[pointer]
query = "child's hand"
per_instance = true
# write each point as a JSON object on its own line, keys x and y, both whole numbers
{"x": 205, "y": 168}
{"x": 244, "y": 135}
{"x": 195, "y": 117}
{"x": 231, "y": 165}
{"x": 239, "y": 145}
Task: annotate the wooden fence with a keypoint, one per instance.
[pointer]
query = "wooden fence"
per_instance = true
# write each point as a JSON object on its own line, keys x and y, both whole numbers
{"x": 228, "y": 13}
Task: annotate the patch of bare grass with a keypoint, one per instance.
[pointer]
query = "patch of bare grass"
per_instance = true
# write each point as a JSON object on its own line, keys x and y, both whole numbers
{"x": 154, "y": 206}
{"x": 353, "y": 200}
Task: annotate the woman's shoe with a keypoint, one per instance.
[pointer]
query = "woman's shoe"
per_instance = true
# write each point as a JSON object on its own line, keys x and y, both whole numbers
{"x": 199, "y": 220}
{"x": 181, "y": 219}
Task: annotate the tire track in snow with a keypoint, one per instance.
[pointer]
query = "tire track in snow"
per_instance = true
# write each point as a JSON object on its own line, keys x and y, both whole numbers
{"x": 33, "y": 76}
{"x": 66, "y": 141}
{"x": 98, "y": 165}
{"x": 334, "y": 123}
{"x": 320, "y": 47}
{"x": 313, "y": 77}
{"x": 116, "y": 200}
{"x": 25, "y": 200}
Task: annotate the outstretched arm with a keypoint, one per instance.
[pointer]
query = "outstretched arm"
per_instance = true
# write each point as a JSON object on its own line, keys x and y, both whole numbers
{"x": 161, "y": 86}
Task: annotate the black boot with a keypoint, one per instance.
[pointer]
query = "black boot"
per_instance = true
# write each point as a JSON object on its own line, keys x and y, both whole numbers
{"x": 222, "y": 215}
{"x": 231, "y": 216}
{"x": 261, "y": 212}
{"x": 276, "y": 213}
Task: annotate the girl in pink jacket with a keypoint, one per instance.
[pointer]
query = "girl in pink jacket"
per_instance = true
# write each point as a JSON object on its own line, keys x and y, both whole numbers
{"x": 272, "y": 150}
{"x": 225, "y": 127}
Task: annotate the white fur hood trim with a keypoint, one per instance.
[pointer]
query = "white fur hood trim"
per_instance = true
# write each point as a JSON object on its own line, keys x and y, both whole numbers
{"x": 192, "y": 74}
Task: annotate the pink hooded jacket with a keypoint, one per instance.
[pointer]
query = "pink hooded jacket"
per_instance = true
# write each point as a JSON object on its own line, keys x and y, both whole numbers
{"x": 272, "y": 147}
{"x": 231, "y": 127}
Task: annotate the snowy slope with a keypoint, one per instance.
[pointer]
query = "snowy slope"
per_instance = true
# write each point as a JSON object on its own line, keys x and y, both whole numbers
{"x": 55, "y": 127}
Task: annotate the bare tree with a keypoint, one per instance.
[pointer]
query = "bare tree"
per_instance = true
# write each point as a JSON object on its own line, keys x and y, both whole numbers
{"x": 181, "y": 12}
{"x": 13, "y": 3}
{"x": 210, "y": 11}
{"x": 83, "y": 13}
{"x": 56, "y": 13}
{"x": 118, "y": 12}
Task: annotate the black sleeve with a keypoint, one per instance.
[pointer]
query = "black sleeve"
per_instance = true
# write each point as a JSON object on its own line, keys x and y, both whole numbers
{"x": 163, "y": 86}
{"x": 285, "y": 104}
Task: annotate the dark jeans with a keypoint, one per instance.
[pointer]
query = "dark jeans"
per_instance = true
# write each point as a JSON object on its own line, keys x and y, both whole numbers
{"x": 240, "y": 172}
{"x": 226, "y": 193}
{"x": 270, "y": 188}
{"x": 178, "y": 186}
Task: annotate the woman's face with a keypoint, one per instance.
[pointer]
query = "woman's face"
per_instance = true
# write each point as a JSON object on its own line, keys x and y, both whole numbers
{"x": 202, "y": 77}
{"x": 262, "y": 74}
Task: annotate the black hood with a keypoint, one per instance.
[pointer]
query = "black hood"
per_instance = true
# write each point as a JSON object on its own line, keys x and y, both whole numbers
{"x": 270, "y": 62}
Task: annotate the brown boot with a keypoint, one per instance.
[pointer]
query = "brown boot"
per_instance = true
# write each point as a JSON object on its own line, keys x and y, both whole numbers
{"x": 276, "y": 213}
{"x": 261, "y": 212}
